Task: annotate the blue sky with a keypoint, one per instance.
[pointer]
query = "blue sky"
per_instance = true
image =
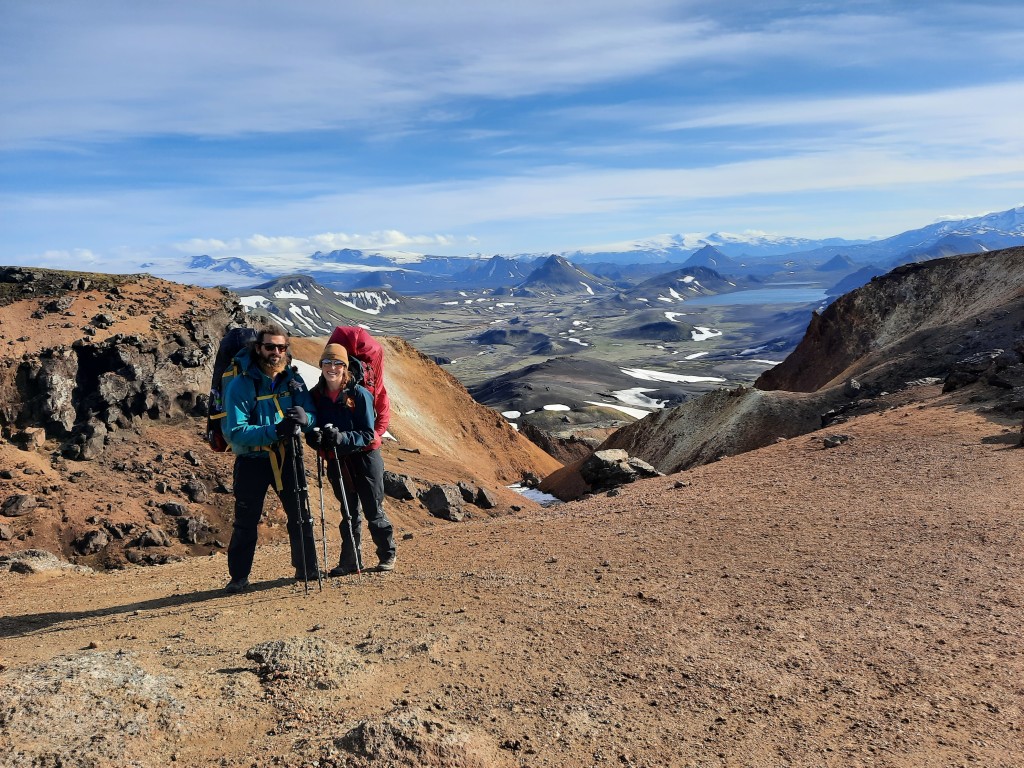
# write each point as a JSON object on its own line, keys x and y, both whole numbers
{"x": 134, "y": 131}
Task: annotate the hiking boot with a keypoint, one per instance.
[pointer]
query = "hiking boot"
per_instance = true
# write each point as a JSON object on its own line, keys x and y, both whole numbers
{"x": 236, "y": 585}
{"x": 388, "y": 563}
{"x": 340, "y": 570}
{"x": 310, "y": 574}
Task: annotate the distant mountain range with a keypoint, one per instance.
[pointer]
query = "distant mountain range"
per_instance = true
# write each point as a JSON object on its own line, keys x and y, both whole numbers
{"x": 623, "y": 264}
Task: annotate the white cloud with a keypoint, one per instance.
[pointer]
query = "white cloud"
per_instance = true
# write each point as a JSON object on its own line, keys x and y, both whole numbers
{"x": 119, "y": 68}
{"x": 712, "y": 113}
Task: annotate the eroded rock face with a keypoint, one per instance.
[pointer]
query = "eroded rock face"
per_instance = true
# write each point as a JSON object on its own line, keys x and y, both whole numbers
{"x": 995, "y": 367}
{"x": 78, "y": 392}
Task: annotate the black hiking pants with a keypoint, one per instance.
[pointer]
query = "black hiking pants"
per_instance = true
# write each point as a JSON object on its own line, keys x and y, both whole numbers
{"x": 364, "y": 490}
{"x": 253, "y": 476}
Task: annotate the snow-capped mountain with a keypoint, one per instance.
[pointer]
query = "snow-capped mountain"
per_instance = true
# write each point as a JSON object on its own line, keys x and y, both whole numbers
{"x": 232, "y": 265}
{"x": 991, "y": 231}
{"x": 308, "y": 308}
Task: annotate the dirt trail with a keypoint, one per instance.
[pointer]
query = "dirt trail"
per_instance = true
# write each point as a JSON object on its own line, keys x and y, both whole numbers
{"x": 797, "y": 605}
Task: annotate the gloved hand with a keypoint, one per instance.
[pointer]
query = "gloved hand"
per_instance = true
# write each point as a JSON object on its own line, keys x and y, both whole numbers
{"x": 314, "y": 438}
{"x": 297, "y": 414}
{"x": 332, "y": 437}
{"x": 294, "y": 420}
{"x": 286, "y": 429}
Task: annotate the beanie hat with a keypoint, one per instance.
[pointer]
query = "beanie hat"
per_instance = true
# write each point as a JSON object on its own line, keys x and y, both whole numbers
{"x": 335, "y": 352}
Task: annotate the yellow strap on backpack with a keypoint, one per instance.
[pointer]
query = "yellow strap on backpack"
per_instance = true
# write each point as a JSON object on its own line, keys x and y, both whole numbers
{"x": 277, "y": 450}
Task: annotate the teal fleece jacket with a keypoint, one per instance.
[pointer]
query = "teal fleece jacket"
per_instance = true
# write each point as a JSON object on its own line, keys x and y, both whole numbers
{"x": 251, "y": 416}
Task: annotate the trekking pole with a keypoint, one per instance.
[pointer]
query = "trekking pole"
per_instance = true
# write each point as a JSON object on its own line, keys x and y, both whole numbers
{"x": 302, "y": 504}
{"x": 320, "y": 485}
{"x": 346, "y": 511}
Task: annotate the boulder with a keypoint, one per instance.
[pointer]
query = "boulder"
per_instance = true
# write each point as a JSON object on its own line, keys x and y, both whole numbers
{"x": 30, "y": 438}
{"x": 399, "y": 487}
{"x": 970, "y": 369}
{"x": 153, "y": 537}
{"x": 37, "y": 561}
{"x": 18, "y": 505}
{"x": 484, "y": 499}
{"x": 195, "y": 490}
{"x": 61, "y": 304}
{"x": 192, "y": 530}
{"x": 444, "y": 501}
{"x": 91, "y": 542}
{"x": 468, "y": 491}
{"x": 833, "y": 441}
{"x": 173, "y": 508}
{"x": 304, "y": 661}
{"x": 614, "y": 467}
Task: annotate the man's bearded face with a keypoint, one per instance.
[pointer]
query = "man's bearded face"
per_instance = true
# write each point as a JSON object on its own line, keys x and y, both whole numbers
{"x": 272, "y": 354}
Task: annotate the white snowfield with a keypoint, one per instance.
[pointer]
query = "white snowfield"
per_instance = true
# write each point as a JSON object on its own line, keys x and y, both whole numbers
{"x": 253, "y": 302}
{"x": 671, "y": 316}
{"x": 646, "y": 375}
{"x": 701, "y": 333}
{"x": 636, "y": 413}
{"x": 376, "y": 301}
{"x": 310, "y": 374}
{"x": 315, "y": 324}
{"x": 695, "y": 355}
{"x": 290, "y": 295}
{"x": 544, "y": 499}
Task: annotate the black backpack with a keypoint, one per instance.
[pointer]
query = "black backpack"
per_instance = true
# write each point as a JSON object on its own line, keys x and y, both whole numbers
{"x": 228, "y": 364}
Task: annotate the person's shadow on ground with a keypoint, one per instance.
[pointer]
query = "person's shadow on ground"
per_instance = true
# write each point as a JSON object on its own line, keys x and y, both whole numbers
{"x": 29, "y": 623}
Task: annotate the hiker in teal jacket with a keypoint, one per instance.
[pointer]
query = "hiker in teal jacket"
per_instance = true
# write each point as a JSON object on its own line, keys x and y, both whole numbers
{"x": 265, "y": 406}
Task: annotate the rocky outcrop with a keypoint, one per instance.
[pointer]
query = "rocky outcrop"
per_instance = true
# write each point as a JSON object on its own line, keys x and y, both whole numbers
{"x": 996, "y": 368}
{"x": 719, "y": 424}
{"x": 79, "y": 392}
{"x": 604, "y": 470}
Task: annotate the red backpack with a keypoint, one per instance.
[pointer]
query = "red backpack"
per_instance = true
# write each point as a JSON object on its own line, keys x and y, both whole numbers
{"x": 361, "y": 345}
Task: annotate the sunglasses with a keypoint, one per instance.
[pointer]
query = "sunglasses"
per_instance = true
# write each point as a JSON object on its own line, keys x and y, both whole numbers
{"x": 331, "y": 363}
{"x": 272, "y": 347}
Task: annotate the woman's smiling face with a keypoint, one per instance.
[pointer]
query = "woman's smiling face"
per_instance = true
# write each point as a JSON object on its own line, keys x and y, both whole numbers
{"x": 334, "y": 372}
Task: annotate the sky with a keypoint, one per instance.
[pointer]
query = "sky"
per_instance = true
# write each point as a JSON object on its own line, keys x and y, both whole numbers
{"x": 133, "y": 132}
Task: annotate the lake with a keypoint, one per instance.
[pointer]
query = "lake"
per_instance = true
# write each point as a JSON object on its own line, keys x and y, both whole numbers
{"x": 792, "y": 294}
